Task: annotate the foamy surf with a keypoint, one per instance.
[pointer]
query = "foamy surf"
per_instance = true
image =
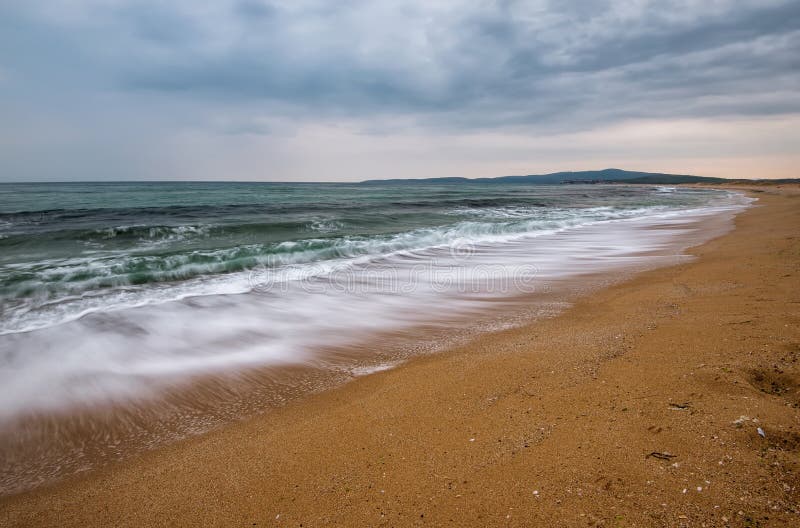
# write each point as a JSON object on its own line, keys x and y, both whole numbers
{"x": 108, "y": 346}
{"x": 53, "y": 291}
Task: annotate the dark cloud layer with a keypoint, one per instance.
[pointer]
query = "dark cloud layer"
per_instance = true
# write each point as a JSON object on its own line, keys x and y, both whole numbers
{"x": 533, "y": 64}
{"x": 353, "y": 58}
{"x": 464, "y": 66}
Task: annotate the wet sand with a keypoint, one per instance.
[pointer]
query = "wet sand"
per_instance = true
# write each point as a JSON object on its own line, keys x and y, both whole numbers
{"x": 640, "y": 405}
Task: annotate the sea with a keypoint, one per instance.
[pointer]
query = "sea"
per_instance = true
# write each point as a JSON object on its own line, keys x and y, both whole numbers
{"x": 112, "y": 294}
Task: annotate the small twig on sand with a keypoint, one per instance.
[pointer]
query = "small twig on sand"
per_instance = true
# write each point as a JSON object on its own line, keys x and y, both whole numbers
{"x": 681, "y": 406}
{"x": 661, "y": 456}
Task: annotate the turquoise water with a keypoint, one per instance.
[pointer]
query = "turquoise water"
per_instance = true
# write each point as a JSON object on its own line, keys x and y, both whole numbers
{"x": 69, "y": 247}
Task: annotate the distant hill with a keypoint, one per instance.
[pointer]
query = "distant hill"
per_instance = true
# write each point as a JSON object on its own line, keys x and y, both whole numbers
{"x": 598, "y": 176}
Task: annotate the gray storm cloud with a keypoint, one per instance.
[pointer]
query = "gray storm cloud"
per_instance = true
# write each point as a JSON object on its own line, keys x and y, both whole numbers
{"x": 136, "y": 71}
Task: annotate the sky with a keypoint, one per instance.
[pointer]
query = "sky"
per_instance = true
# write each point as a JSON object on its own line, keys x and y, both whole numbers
{"x": 346, "y": 90}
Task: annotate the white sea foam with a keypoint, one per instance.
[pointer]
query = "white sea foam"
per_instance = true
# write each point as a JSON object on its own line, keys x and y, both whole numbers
{"x": 70, "y": 288}
{"x": 129, "y": 342}
{"x": 326, "y": 226}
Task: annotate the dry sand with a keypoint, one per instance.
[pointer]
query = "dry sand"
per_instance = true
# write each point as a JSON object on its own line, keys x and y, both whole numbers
{"x": 639, "y": 406}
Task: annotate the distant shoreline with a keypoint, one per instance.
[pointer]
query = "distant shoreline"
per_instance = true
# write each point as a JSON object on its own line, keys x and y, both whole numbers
{"x": 616, "y": 176}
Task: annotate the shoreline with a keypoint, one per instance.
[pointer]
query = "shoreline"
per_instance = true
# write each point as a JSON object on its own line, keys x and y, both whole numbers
{"x": 505, "y": 429}
{"x": 40, "y": 450}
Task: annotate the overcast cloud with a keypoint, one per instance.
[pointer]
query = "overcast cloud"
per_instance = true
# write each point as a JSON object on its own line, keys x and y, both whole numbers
{"x": 347, "y": 90}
